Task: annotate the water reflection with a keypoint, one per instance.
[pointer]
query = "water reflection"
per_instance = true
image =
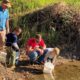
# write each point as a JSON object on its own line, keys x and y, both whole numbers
{"x": 49, "y": 77}
{"x": 44, "y": 77}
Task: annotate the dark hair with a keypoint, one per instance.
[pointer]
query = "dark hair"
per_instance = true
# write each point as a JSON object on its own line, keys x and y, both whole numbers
{"x": 5, "y": 1}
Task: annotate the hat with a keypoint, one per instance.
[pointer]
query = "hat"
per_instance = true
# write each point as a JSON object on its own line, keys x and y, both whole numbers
{"x": 7, "y": 3}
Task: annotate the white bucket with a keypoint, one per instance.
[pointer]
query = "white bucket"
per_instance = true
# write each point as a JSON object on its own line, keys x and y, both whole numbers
{"x": 48, "y": 67}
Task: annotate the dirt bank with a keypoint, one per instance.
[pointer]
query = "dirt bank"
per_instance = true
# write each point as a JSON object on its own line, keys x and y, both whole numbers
{"x": 64, "y": 70}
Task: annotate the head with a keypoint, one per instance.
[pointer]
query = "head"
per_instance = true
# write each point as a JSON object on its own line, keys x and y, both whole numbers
{"x": 6, "y": 4}
{"x": 17, "y": 31}
{"x": 38, "y": 37}
{"x": 55, "y": 51}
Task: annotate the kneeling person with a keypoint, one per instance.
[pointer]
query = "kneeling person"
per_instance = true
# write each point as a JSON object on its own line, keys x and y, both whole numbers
{"x": 52, "y": 55}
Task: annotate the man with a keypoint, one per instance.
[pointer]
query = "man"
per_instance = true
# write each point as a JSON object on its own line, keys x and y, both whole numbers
{"x": 4, "y": 21}
{"x": 12, "y": 46}
{"x": 35, "y": 47}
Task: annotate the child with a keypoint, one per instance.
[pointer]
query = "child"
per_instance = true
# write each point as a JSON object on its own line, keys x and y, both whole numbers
{"x": 35, "y": 47}
{"x": 52, "y": 55}
{"x": 12, "y": 46}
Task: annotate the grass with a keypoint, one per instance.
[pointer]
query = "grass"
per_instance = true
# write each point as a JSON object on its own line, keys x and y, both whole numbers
{"x": 21, "y": 6}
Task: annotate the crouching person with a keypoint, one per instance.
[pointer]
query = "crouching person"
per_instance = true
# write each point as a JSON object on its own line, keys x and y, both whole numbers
{"x": 35, "y": 48}
{"x": 52, "y": 55}
{"x": 12, "y": 46}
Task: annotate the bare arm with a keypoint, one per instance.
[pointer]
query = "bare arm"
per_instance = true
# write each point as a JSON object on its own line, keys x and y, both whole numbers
{"x": 40, "y": 50}
{"x": 28, "y": 49}
{"x": 44, "y": 47}
{"x": 7, "y": 26}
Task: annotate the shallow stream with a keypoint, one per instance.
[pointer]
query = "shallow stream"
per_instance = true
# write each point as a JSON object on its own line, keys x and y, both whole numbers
{"x": 66, "y": 71}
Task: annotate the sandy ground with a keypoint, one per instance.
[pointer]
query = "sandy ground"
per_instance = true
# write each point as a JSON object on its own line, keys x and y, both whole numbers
{"x": 65, "y": 70}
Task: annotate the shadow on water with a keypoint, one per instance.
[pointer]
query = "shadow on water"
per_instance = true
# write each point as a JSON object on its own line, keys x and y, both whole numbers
{"x": 36, "y": 71}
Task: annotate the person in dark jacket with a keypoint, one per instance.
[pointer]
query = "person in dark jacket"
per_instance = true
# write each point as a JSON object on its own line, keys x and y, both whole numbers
{"x": 12, "y": 46}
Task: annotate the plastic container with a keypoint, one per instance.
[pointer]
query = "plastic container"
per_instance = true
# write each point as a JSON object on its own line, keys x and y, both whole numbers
{"x": 48, "y": 67}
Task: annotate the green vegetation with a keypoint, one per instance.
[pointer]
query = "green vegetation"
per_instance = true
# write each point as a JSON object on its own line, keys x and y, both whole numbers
{"x": 23, "y": 9}
{"x": 30, "y": 14}
{"x": 22, "y": 6}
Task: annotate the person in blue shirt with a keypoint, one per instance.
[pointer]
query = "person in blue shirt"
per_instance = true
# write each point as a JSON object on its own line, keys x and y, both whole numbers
{"x": 12, "y": 46}
{"x": 4, "y": 21}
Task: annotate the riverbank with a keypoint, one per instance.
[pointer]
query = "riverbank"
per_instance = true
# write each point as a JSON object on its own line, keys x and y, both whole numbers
{"x": 65, "y": 70}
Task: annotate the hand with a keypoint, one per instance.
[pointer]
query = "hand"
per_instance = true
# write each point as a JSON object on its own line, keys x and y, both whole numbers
{"x": 36, "y": 48}
{"x": 40, "y": 50}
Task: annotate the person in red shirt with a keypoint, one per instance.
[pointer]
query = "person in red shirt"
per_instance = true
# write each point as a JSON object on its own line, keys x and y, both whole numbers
{"x": 35, "y": 47}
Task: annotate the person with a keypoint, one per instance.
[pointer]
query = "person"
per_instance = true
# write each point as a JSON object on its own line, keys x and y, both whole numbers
{"x": 12, "y": 46}
{"x": 52, "y": 55}
{"x": 4, "y": 21}
{"x": 35, "y": 47}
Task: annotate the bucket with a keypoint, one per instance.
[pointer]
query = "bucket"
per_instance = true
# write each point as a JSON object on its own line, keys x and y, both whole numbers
{"x": 48, "y": 67}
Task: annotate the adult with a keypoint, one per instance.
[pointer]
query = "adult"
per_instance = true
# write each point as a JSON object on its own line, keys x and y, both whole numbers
{"x": 35, "y": 48}
{"x": 4, "y": 21}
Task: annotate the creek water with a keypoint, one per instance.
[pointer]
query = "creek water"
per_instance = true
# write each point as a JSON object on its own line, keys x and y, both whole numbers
{"x": 44, "y": 77}
{"x": 66, "y": 71}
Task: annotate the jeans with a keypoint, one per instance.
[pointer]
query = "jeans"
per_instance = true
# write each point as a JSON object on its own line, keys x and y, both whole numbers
{"x": 41, "y": 58}
{"x": 33, "y": 55}
{"x": 36, "y": 55}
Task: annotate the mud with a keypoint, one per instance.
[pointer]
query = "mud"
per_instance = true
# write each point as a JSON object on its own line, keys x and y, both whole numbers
{"x": 65, "y": 69}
